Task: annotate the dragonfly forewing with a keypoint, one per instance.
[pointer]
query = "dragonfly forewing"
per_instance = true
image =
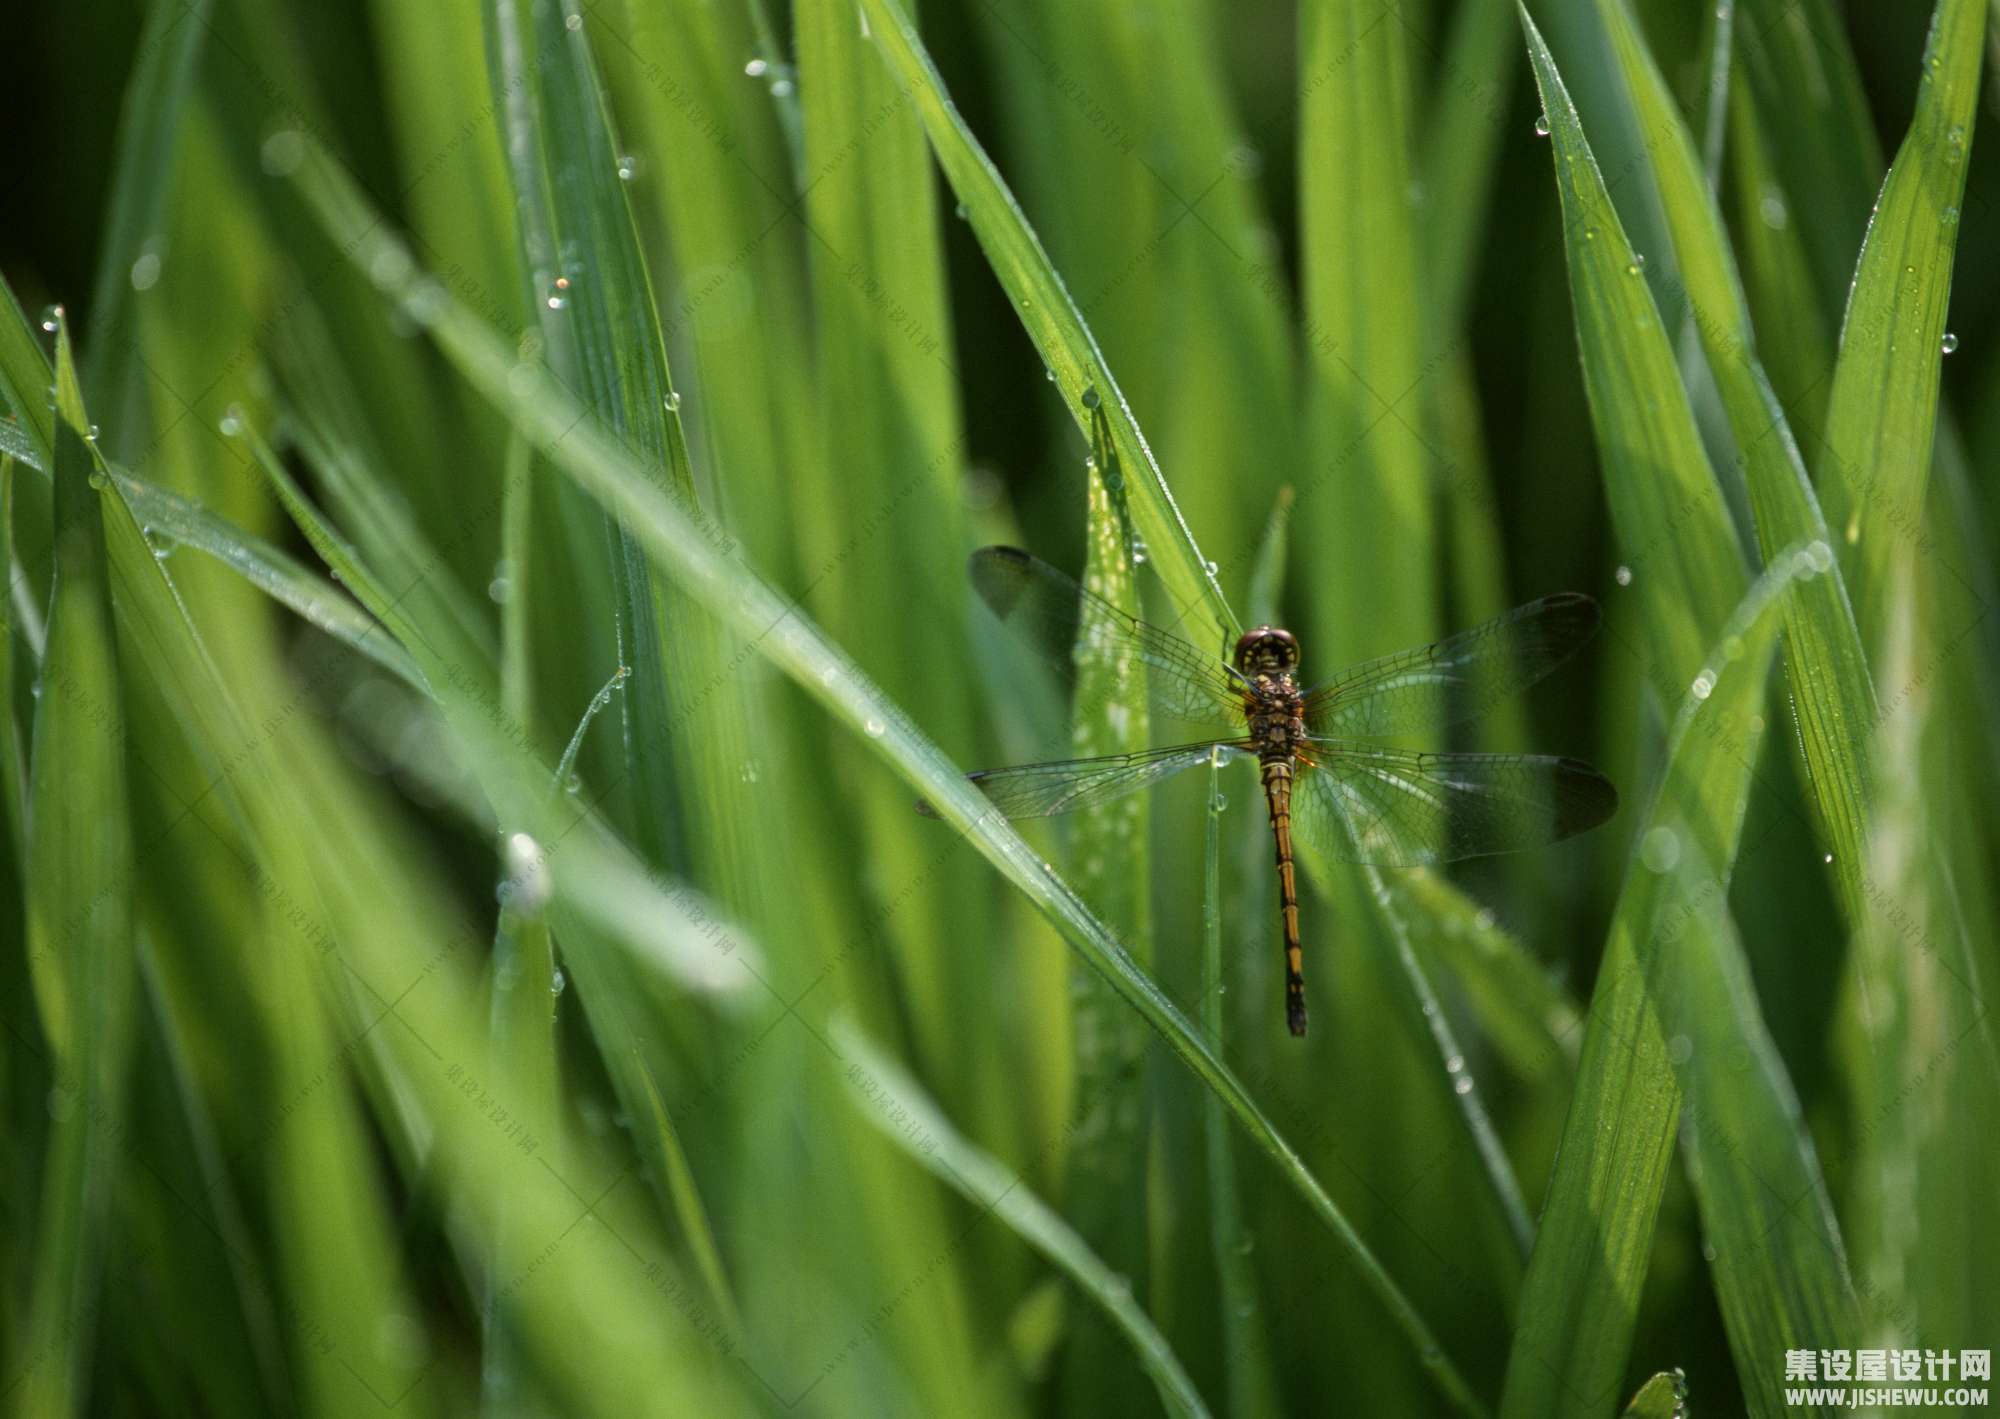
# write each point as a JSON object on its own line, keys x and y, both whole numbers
{"x": 1066, "y": 785}
{"x": 1456, "y": 678}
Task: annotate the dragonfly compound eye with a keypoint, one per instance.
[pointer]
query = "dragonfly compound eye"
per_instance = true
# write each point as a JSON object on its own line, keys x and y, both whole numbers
{"x": 1267, "y": 649}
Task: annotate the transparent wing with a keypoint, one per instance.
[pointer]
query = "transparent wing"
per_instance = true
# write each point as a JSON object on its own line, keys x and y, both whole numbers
{"x": 1045, "y": 607}
{"x": 1393, "y": 808}
{"x": 1455, "y": 678}
{"x": 1041, "y": 790}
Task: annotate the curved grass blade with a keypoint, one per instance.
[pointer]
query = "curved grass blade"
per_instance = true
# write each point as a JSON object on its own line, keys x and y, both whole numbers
{"x": 13, "y": 754}
{"x": 1671, "y": 1001}
{"x": 1882, "y": 415}
{"x": 900, "y": 1110}
{"x": 1673, "y": 530}
{"x": 1664, "y": 1396}
{"x": 1833, "y": 698}
{"x": 81, "y": 950}
{"x": 776, "y": 629}
{"x": 1047, "y": 313}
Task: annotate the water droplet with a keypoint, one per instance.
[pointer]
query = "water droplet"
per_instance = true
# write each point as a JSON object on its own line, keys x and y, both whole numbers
{"x": 876, "y": 729}
{"x": 527, "y": 874}
{"x": 1708, "y": 1253}
{"x": 1820, "y": 555}
{"x": 960, "y": 212}
{"x": 1455, "y": 1065}
{"x": 1949, "y": 343}
{"x": 98, "y": 480}
{"x": 1829, "y": 859}
{"x": 1463, "y": 1086}
{"x": 748, "y": 772}
{"x": 1703, "y": 686}
{"x": 231, "y": 423}
{"x": 556, "y": 302}
{"x": 1139, "y": 552}
{"x": 1949, "y": 216}
{"x": 1732, "y": 648}
{"x": 781, "y": 88}
{"x": 628, "y": 167}
{"x": 1542, "y": 125}
{"x": 390, "y": 268}
{"x": 500, "y": 588}
{"x": 756, "y": 68}
{"x": 1090, "y": 398}
{"x": 90, "y": 434}
{"x": 1590, "y": 233}
{"x": 573, "y": 784}
{"x": 674, "y": 402}
{"x": 574, "y": 22}
{"x": 1771, "y": 207}
{"x": 1680, "y": 1049}
{"x": 557, "y": 982}
{"x": 1219, "y": 802}
{"x": 51, "y": 317}
{"x": 1660, "y": 850}
{"x": 146, "y": 271}
{"x": 1211, "y": 567}
{"x": 1623, "y": 576}
{"x": 282, "y": 152}
{"x": 1050, "y": 373}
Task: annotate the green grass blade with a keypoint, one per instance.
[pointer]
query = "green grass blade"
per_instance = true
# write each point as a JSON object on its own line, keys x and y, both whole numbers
{"x": 1472, "y": 108}
{"x": 1664, "y": 1396}
{"x": 1882, "y": 415}
{"x": 1112, "y": 870}
{"x": 1671, "y": 986}
{"x": 1673, "y": 531}
{"x": 1051, "y": 319}
{"x": 13, "y": 753}
{"x": 1246, "y": 1354}
{"x": 1832, "y": 696}
{"x": 897, "y": 1106}
{"x": 80, "y": 922}
{"x": 782, "y": 634}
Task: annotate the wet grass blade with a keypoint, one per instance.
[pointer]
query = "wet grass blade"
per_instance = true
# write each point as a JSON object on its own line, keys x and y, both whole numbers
{"x": 1674, "y": 533}
{"x": 1671, "y": 998}
{"x": 1833, "y": 698}
{"x": 1882, "y": 414}
{"x": 781, "y": 633}
{"x": 900, "y": 1110}
{"x": 1050, "y": 317}
{"x": 82, "y": 951}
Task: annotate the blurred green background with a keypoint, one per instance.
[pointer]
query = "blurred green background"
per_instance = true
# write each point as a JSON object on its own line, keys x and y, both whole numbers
{"x": 489, "y": 591}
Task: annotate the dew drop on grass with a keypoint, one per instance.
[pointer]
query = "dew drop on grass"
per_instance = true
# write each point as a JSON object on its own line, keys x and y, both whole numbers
{"x": 231, "y": 423}
{"x": 90, "y": 435}
{"x": 875, "y": 727}
{"x": 1139, "y": 552}
{"x": 1464, "y": 1084}
{"x": 1704, "y": 685}
{"x": 146, "y": 271}
{"x": 781, "y": 88}
{"x": 282, "y": 152}
{"x": 1829, "y": 859}
{"x": 557, "y": 982}
{"x": 574, "y": 784}
{"x": 674, "y": 402}
{"x": 960, "y": 212}
{"x": 51, "y": 317}
{"x": 1455, "y": 1065}
{"x": 1542, "y": 125}
{"x": 756, "y": 68}
{"x": 1623, "y": 576}
{"x": 1660, "y": 850}
{"x": 628, "y": 168}
{"x": 98, "y": 480}
{"x": 1090, "y": 398}
{"x": 573, "y": 22}
{"x": 1949, "y": 343}
{"x": 1680, "y": 1049}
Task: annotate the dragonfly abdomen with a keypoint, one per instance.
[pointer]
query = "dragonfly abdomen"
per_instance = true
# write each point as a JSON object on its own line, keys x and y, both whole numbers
{"x": 1277, "y": 770}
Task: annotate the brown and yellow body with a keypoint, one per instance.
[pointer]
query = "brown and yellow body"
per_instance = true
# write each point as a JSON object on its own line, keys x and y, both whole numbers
{"x": 1275, "y": 708}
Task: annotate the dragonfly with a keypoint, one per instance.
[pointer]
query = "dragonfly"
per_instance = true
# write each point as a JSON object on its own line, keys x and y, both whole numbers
{"x": 1326, "y": 778}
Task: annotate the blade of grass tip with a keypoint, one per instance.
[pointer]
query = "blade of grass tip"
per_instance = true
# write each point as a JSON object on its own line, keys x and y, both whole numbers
{"x": 1673, "y": 530}
{"x": 1246, "y": 1345}
{"x": 1664, "y": 1396}
{"x": 566, "y": 765}
{"x": 79, "y": 910}
{"x": 893, "y": 1102}
{"x": 142, "y": 166}
{"x": 1049, "y": 316}
{"x": 1833, "y": 698}
{"x": 1882, "y": 414}
{"x": 1267, "y": 572}
{"x": 25, "y": 379}
{"x": 1579, "y": 1303}
{"x": 1112, "y": 869}
{"x": 690, "y": 552}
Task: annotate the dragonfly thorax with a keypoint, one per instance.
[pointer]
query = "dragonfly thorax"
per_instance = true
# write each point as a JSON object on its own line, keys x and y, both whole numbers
{"x": 1274, "y": 707}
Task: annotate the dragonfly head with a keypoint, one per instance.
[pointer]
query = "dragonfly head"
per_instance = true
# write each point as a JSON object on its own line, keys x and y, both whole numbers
{"x": 1267, "y": 650}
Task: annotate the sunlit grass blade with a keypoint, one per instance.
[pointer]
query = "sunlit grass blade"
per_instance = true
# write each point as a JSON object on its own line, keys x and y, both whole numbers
{"x": 781, "y": 633}
{"x": 1832, "y": 696}
{"x": 1664, "y": 1396}
{"x": 1673, "y": 530}
{"x": 898, "y": 1107}
{"x": 81, "y": 935}
{"x": 1672, "y": 992}
{"x": 1882, "y": 414}
{"x": 1049, "y": 316}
